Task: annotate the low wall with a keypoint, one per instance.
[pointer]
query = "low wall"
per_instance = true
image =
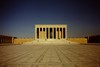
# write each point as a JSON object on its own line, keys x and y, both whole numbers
{"x": 6, "y": 39}
{"x": 79, "y": 40}
{"x": 94, "y": 39}
{"x": 22, "y": 40}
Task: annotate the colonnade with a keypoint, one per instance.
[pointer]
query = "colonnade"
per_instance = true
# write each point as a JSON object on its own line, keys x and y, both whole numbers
{"x": 50, "y": 33}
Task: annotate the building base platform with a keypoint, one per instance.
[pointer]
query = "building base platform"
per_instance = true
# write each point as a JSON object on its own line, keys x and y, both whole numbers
{"x": 50, "y": 42}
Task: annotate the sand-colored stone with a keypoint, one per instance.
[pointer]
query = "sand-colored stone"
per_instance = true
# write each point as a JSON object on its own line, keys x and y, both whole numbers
{"x": 23, "y": 40}
{"x": 6, "y": 39}
{"x": 42, "y": 35}
{"x": 79, "y": 40}
{"x": 50, "y": 56}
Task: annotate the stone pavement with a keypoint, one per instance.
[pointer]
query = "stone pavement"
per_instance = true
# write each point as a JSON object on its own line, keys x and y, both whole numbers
{"x": 50, "y": 56}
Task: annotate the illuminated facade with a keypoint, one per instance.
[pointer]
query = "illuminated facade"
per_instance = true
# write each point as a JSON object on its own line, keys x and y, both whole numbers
{"x": 50, "y": 31}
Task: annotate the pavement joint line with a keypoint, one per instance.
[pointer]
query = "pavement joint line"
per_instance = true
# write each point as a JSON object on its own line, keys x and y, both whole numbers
{"x": 81, "y": 55}
{"x": 50, "y": 56}
{"x": 19, "y": 57}
{"x": 41, "y": 57}
{"x": 65, "y": 57}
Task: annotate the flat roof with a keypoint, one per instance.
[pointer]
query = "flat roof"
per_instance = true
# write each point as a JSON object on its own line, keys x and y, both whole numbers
{"x": 5, "y": 36}
{"x": 50, "y": 25}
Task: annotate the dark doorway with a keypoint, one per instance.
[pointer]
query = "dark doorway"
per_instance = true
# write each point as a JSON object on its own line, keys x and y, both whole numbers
{"x": 63, "y": 32}
{"x": 54, "y": 33}
{"x": 50, "y": 33}
{"x": 37, "y": 33}
{"x": 47, "y": 32}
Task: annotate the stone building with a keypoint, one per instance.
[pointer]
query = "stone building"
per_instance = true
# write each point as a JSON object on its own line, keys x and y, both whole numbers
{"x": 45, "y": 34}
{"x": 94, "y": 39}
{"x": 50, "y": 31}
{"x": 6, "y": 39}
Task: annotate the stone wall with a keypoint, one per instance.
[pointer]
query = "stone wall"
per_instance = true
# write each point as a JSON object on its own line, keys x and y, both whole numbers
{"x": 79, "y": 40}
{"x": 94, "y": 39}
{"x": 22, "y": 40}
{"x": 6, "y": 39}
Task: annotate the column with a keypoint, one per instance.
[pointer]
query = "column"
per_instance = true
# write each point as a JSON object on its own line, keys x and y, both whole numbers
{"x": 48, "y": 33}
{"x": 45, "y": 33}
{"x": 35, "y": 33}
{"x": 56, "y": 33}
{"x": 39, "y": 33}
{"x": 62, "y": 33}
{"x": 42, "y": 33}
{"x": 59, "y": 33}
{"x": 66, "y": 32}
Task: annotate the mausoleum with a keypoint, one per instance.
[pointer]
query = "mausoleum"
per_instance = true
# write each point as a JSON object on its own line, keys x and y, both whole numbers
{"x": 51, "y": 31}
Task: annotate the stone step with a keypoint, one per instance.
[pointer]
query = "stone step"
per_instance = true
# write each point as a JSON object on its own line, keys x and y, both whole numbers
{"x": 51, "y": 42}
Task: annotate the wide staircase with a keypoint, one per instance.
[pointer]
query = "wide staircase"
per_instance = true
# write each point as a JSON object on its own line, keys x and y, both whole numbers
{"x": 50, "y": 42}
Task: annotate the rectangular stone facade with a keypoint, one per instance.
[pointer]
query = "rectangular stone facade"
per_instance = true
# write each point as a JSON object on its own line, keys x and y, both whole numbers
{"x": 6, "y": 39}
{"x": 51, "y": 31}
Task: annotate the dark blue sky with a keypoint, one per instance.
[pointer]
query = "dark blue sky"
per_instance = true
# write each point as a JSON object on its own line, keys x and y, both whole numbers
{"x": 18, "y": 17}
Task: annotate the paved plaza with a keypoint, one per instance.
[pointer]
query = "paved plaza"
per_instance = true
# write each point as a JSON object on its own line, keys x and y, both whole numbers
{"x": 50, "y": 56}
